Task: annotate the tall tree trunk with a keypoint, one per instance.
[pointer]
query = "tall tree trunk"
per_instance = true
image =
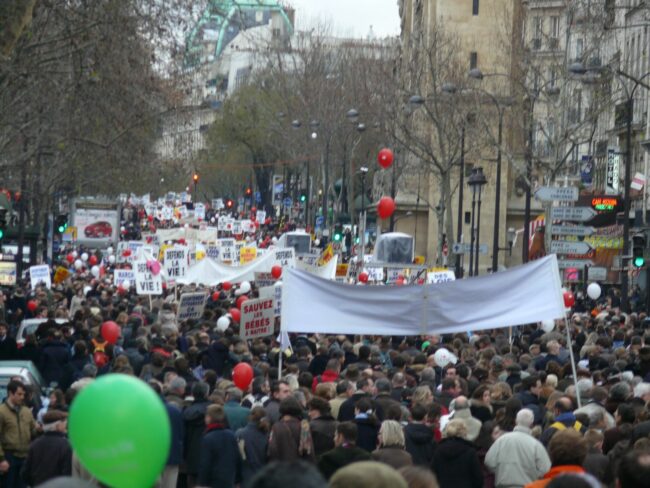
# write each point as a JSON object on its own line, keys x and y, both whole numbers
{"x": 16, "y": 15}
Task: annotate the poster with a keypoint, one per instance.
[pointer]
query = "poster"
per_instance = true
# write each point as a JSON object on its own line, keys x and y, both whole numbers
{"x": 40, "y": 275}
{"x": 191, "y": 305}
{"x": 285, "y": 257}
{"x": 124, "y": 278}
{"x": 212, "y": 252}
{"x": 97, "y": 223}
{"x": 146, "y": 283}
{"x": 7, "y": 273}
{"x": 226, "y": 250}
{"x": 257, "y": 318}
{"x": 440, "y": 275}
{"x": 274, "y": 292}
{"x": 60, "y": 275}
{"x": 247, "y": 254}
{"x": 264, "y": 279}
{"x": 260, "y": 216}
{"x": 175, "y": 263}
{"x": 199, "y": 211}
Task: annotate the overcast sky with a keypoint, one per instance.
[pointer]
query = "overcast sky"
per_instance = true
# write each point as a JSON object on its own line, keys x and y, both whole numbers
{"x": 349, "y": 17}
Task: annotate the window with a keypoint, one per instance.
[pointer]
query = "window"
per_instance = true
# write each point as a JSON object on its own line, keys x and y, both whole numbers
{"x": 475, "y": 7}
{"x": 537, "y": 32}
{"x": 579, "y": 48}
{"x": 473, "y": 60}
{"x": 555, "y": 26}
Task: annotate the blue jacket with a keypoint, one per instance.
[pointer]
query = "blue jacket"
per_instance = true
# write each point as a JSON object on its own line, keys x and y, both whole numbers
{"x": 237, "y": 415}
{"x": 256, "y": 445}
{"x": 178, "y": 433}
{"x": 220, "y": 463}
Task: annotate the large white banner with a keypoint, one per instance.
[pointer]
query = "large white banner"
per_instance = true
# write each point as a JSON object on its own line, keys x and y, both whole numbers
{"x": 521, "y": 295}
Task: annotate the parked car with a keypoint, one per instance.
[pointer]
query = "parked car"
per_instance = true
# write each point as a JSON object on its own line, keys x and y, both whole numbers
{"x": 30, "y": 376}
{"x": 29, "y": 326}
{"x": 98, "y": 230}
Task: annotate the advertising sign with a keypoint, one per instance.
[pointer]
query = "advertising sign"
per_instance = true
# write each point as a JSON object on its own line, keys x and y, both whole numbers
{"x": 612, "y": 175}
{"x": 191, "y": 305}
{"x": 40, "y": 275}
{"x": 97, "y": 223}
{"x": 257, "y": 318}
{"x": 7, "y": 273}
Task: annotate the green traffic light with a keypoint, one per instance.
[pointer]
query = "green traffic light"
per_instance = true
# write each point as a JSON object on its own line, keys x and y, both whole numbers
{"x": 2, "y": 233}
{"x": 639, "y": 261}
{"x": 61, "y": 229}
{"x": 303, "y": 198}
{"x": 337, "y": 237}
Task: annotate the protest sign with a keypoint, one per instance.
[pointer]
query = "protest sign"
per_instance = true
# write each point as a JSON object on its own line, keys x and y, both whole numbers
{"x": 247, "y": 254}
{"x": 7, "y": 273}
{"x": 226, "y": 250}
{"x": 260, "y": 216}
{"x": 60, "y": 275}
{"x": 264, "y": 279}
{"x": 236, "y": 227}
{"x": 191, "y": 305}
{"x": 40, "y": 275}
{"x": 199, "y": 211}
{"x": 392, "y": 275}
{"x": 212, "y": 252}
{"x": 175, "y": 262}
{"x": 146, "y": 283}
{"x": 274, "y": 292}
{"x": 247, "y": 226}
{"x": 257, "y": 318}
{"x": 124, "y": 278}
{"x": 285, "y": 257}
{"x": 440, "y": 275}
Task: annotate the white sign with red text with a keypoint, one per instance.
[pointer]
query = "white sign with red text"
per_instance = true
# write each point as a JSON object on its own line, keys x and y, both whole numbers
{"x": 257, "y": 318}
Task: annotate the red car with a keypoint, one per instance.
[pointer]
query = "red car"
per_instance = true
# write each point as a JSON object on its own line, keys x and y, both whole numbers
{"x": 98, "y": 230}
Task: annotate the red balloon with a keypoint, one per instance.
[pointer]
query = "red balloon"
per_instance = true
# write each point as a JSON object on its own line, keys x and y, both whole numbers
{"x": 253, "y": 209}
{"x": 126, "y": 253}
{"x": 150, "y": 218}
{"x": 121, "y": 290}
{"x": 69, "y": 258}
{"x": 241, "y": 300}
{"x": 267, "y": 221}
{"x": 215, "y": 296}
{"x": 226, "y": 285}
{"x": 400, "y": 281}
{"x": 242, "y": 375}
{"x": 363, "y": 277}
{"x": 385, "y": 207}
{"x": 235, "y": 314}
{"x": 569, "y": 299}
{"x": 276, "y": 271}
{"x": 92, "y": 260}
{"x": 32, "y": 305}
{"x": 110, "y": 331}
{"x": 385, "y": 158}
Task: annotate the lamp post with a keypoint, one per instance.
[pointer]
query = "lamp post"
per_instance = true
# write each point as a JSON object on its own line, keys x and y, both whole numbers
{"x": 362, "y": 218}
{"x": 580, "y": 69}
{"x": 476, "y": 181}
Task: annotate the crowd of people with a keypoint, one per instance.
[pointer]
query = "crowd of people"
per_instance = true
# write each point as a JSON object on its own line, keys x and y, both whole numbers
{"x": 496, "y": 410}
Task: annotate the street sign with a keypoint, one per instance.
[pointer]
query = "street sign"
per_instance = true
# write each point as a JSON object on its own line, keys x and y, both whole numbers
{"x": 574, "y": 263}
{"x": 572, "y": 230}
{"x": 597, "y": 273}
{"x": 464, "y": 248}
{"x": 570, "y": 247}
{"x": 551, "y": 193}
{"x": 578, "y": 214}
{"x": 320, "y": 220}
{"x": 287, "y": 202}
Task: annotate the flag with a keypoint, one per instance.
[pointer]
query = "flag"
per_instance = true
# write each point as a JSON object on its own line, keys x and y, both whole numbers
{"x": 328, "y": 253}
{"x": 285, "y": 342}
{"x": 638, "y": 181}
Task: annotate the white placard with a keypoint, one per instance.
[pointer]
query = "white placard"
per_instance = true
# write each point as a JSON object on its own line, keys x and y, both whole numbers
{"x": 440, "y": 276}
{"x": 199, "y": 211}
{"x": 237, "y": 227}
{"x": 124, "y": 278}
{"x": 260, "y": 216}
{"x": 247, "y": 226}
{"x": 191, "y": 305}
{"x": 212, "y": 251}
{"x": 176, "y": 263}
{"x": 146, "y": 283}
{"x": 285, "y": 257}
{"x": 264, "y": 279}
{"x": 40, "y": 275}
{"x": 257, "y": 318}
{"x": 167, "y": 213}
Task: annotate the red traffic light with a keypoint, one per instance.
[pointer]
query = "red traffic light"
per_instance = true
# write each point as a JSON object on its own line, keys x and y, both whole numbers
{"x": 229, "y": 203}
{"x": 249, "y": 192}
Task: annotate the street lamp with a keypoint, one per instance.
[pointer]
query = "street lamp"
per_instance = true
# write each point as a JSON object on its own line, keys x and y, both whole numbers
{"x": 476, "y": 181}
{"x": 580, "y": 70}
{"x": 352, "y": 115}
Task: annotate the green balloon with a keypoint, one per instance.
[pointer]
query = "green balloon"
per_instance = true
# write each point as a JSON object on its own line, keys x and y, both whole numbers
{"x": 120, "y": 430}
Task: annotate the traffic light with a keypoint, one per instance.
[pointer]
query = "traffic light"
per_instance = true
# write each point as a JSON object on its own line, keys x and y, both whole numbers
{"x": 638, "y": 250}
{"x": 249, "y": 192}
{"x": 229, "y": 203}
{"x": 303, "y": 196}
{"x": 3, "y": 222}
{"x": 338, "y": 233}
{"x": 61, "y": 223}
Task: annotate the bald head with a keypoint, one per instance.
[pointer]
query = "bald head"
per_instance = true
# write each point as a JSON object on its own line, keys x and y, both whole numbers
{"x": 460, "y": 403}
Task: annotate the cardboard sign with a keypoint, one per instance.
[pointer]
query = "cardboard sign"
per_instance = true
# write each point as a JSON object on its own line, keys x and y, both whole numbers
{"x": 124, "y": 278}
{"x": 40, "y": 275}
{"x": 60, "y": 275}
{"x": 257, "y": 318}
{"x": 264, "y": 279}
{"x": 176, "y": 262}
{"x": 247, "y": 254}
{"x": 285, "y": 257}
{"x": 146, "y": 283}
{"x": 440, "y": 275}
{"x": 191, "y": 305}
{"x": 7, "y": 273}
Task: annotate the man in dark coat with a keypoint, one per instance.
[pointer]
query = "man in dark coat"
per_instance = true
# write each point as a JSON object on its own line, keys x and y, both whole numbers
{"x": 218, "y": 357}
{"x": 364, "y": 390}
{"x": 220, "y": 462}
{"x": 8, "y": 348}
{"x": 169, "y": 476}
{"x": 345, "y": 452}
{"x": 194, "y": 419}
{"x": 55, "y": 357}
{"x": 420, "y": 443}
{"x": 50, "y": 455}
{"x": 531, "y": 387}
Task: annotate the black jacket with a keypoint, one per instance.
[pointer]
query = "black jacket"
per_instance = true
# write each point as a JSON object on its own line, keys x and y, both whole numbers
{"x": 420, "y": 443}
{"x": 55, "y": 356}
{"x": 456, "y": 464}
{"x": 219, "y": 358}
{"x": 323, "y": 430}
{"x": 346, "y": 410}
{"x": 49, "y": 456}
{"x": 256, "y": 445}
{"x": 367, "y": 430}
{"x": 340, "y": 457}
{"x": 220, "y": 463}
{"x": 8, "y": 349}
{"x": 194, "y": 417}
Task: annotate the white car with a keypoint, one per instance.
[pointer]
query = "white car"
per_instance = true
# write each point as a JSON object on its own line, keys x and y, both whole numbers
{"x": 29, "y": 326}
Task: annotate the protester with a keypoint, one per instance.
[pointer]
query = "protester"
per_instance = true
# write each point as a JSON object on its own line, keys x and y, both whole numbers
{"x": 220, "y": 462}
{"x": 50, "y": 455}
{"x": 455, "y": 462}
{"x": 391, "y": 445}
{"x": 567, "y": 450}
{"x": 345, "y": 451}
{"x": 253, "y": 444}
